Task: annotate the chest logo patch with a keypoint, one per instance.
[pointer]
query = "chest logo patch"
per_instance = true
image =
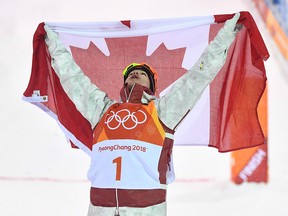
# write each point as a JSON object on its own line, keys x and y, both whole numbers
{"x": 124, "y": 118}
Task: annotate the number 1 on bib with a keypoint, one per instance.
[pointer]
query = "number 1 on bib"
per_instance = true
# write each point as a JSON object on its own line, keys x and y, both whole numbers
{"x": 118, "y": 162}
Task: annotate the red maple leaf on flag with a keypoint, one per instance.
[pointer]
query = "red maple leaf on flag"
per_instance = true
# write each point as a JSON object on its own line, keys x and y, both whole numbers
{"x": 106, "y": 71}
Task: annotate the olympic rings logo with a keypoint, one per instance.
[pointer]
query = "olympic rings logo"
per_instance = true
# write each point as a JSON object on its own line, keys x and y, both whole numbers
{"x": 125, "y": 118}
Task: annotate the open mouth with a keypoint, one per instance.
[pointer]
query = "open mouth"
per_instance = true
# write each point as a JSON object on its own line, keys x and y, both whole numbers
{"x": 134, "y": 76}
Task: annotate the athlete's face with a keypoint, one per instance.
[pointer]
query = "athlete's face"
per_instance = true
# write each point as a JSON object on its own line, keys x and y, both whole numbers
{"x": 139, "y": 77}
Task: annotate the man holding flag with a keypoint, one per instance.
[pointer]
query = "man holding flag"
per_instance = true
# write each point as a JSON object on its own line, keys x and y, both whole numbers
{"x": 131, "y": 161}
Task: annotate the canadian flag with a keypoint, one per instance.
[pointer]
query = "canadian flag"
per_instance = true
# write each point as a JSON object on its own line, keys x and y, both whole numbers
{"x": 226, "y": 115}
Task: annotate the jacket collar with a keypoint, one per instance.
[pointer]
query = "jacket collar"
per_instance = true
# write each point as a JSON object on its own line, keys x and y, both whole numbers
{"x": 137, "y": 94}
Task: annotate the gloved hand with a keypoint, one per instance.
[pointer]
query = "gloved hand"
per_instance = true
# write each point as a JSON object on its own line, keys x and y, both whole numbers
{"x": 231, "y": 24}
{"x": 51, "y": 38}
{"x": 228, "y": 32}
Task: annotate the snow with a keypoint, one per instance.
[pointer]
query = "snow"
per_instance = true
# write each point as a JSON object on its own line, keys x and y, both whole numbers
{"x": 41, "y": 175}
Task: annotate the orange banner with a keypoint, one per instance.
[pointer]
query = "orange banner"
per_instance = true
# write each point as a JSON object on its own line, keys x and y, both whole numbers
{"x": 278, "y": 34}
{"x": 251, "y": 165}
{"x": 262, "y": 8}
{"x": 273, "y": 27}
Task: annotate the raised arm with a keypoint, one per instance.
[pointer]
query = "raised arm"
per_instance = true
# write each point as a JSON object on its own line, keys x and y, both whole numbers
{"x": 187, "y": 90}
{"x": 89, "y": 100}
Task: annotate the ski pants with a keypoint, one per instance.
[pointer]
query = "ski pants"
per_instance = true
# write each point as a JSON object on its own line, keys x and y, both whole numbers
{"x": 159, "y": 210}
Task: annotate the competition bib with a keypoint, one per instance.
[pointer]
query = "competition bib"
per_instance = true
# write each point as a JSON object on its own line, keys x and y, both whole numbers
{"x": 125, "y": 164}
{"x": 128, "y": 144}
